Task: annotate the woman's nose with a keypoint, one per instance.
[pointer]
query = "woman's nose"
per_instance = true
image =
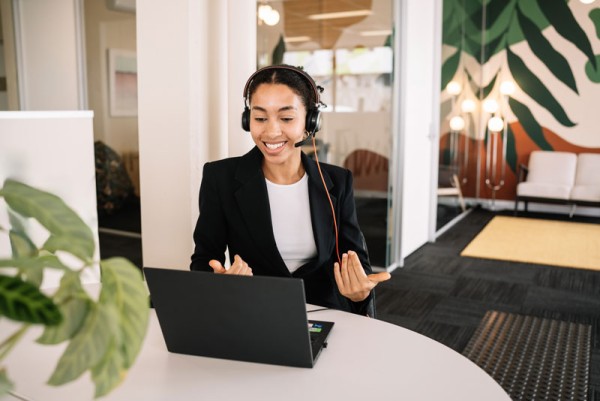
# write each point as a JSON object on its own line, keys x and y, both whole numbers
{"x": 273, "y": 127}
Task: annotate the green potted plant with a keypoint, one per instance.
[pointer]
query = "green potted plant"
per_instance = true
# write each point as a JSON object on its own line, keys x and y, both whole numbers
{"x": 104, "y": 334}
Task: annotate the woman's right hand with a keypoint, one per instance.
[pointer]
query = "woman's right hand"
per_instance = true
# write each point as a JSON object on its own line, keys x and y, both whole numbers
{"x": 238, "y": 267}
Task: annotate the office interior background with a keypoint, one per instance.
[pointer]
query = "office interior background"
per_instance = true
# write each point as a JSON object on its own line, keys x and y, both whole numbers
{"x": 411, "y": 86}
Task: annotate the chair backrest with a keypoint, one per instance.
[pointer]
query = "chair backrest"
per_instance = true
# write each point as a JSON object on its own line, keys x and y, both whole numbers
{"x": 588, "y": 169}
{"x": 549, "y": 167}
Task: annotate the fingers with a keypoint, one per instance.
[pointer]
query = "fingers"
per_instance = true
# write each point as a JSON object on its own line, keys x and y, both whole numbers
{"x": 239, "y": 267}
{"x": 216, "y": 266}
{"x": 351, "y": 279}
{"x": 379, "y": 277}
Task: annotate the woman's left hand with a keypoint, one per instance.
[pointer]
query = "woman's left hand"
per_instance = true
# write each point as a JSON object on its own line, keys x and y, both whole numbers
{"x": 351, "y": 279}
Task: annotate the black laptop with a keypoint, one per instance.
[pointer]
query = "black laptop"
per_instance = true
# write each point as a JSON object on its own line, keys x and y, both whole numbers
{"x": 255, "y": 319}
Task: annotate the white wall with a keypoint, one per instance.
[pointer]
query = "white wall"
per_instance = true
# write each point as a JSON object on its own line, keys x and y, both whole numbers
{"x": 191, "y": 74}
{"x": 418, "y": 113}
{"x": 47, "y": 34}
{"x": 52, "y": 151}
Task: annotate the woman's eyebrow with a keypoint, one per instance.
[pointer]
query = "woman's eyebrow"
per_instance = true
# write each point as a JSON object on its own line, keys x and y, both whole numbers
{"x": 284, "y": 108}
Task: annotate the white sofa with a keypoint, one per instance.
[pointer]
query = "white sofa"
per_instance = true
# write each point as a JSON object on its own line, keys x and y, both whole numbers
{"x": 559, "y": 177}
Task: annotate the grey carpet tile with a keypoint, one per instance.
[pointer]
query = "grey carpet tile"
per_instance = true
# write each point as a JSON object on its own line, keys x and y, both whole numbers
{"x": 459, "y": 311}
{"x": 579, "y": 280}
{"x": 423, "y": 281}
{"x": 509, "y": 272}
{"x": 567, "y": 302}
{"x": 453, "y": 336}
{"x": 410, "y": 303}
{"x": 478, "y": 289}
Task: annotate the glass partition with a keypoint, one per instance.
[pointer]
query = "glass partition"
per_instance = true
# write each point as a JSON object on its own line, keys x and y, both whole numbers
{"x": 346, "y": 47}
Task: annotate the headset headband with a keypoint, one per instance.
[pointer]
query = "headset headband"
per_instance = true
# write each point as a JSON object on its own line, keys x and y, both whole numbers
{"x": 308, "y": 78}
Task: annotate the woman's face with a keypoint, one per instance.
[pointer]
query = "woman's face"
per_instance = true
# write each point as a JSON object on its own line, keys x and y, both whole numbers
{"x": 277, "y": 118}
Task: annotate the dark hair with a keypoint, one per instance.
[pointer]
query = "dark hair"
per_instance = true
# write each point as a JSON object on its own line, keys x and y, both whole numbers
{"x": 296, "y": 81}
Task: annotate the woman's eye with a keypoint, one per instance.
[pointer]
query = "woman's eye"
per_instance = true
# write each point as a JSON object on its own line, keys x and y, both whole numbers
{"x": 260, "y": 119}
{"x": 287, "y": 119}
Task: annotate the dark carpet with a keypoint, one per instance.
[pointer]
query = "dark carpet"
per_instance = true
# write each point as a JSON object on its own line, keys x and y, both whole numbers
{"x": 445, "y": 296}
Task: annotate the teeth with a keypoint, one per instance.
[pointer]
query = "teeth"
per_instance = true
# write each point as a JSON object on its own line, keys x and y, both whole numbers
{"x": 274, "y": 145}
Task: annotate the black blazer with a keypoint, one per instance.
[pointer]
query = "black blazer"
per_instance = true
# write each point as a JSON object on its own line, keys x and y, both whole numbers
{"x": 235, "y": 213}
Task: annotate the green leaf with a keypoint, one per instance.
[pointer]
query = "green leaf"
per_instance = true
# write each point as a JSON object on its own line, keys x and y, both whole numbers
{"x": 52, "y": 213}
{"x": 123, "y": 286}
{"x": 449, "y": 68}
{"x": 23, "y": 302}
{"x": 77, "y": 246}
{"x": 529, "y": 123}
{"x": 541, "y": 47}
{"x": 74, "y": 303}
{"x": 488, "y": 88}
{"x": 109, "y": 372}
{"x": 21, "y": 245}
{"x": 89, "y": 345}
{"x": 562, "y": 19}
{"x": 531, "y": 85}
{"x": 37, "y": 262}
{"x": 5, "y": 384}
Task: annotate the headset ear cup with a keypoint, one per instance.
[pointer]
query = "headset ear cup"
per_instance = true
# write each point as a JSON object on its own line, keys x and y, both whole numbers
{"x": 246, "y": 119}
{"x": 313, "y": 120}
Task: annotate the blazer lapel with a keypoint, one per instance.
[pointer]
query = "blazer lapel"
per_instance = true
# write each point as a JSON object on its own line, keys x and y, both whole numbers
{"x": 322, "y": 220}
{"x": 253, "y": 201}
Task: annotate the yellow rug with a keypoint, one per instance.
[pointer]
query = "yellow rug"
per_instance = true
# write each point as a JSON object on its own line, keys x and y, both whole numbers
{"x": 546, "y": 242}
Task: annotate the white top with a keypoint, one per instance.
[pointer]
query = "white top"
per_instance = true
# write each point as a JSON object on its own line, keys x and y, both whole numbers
{"x": 292, "y": 227}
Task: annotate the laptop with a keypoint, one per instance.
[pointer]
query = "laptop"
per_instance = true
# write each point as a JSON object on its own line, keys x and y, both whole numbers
{"x": 245, "y": 318}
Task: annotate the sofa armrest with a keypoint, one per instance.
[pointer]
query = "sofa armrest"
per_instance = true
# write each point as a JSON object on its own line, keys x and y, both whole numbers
{"x": 522, "y": 171}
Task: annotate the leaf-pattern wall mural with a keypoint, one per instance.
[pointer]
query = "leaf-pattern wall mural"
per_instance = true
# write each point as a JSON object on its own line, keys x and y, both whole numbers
{"x": 489, "y": 41}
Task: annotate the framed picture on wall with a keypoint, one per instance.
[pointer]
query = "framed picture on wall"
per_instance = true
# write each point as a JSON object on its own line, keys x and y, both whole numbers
{"x": 122, "y": 81}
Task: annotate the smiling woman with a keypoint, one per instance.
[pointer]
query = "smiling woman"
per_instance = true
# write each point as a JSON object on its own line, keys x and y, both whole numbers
{"x": 258, "y": 205}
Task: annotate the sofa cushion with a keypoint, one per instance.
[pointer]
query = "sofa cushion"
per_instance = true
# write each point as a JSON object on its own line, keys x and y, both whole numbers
{"x": 588, "y": 169}
{"x": 538, "y": 190}
{"x": 551, "y": 168}
{"x": 588, "y": 193}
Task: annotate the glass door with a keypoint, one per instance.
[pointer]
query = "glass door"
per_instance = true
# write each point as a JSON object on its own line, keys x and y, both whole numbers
{"x": 346, "y": 46}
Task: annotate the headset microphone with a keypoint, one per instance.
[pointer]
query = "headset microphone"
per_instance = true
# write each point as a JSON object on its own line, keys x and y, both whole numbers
{"x": 305, "y": 140}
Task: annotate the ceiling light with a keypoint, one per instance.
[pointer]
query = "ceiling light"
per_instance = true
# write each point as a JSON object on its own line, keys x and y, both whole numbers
{"x": 376, "y": 33}
{"x": 267, "y": 14}
{"x": 292, "y": 39}
{"x": 341, "y": 14}
{"x": 507, "y": 88}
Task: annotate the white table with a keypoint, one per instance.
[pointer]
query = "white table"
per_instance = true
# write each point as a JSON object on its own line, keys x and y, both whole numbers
{"x": 366, "y": 359}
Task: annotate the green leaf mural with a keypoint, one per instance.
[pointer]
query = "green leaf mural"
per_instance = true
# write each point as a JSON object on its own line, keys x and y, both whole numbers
{"x": 541, "y": 47}
{"x": 534, "y": 87}
{"x": 482, "y": 29}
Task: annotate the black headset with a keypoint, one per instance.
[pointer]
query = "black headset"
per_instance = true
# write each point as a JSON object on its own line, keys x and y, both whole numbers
{"x": 313, "y": 114}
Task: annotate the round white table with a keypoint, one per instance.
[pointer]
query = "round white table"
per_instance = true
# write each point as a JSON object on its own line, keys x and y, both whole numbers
{"x": 365, "y": 359}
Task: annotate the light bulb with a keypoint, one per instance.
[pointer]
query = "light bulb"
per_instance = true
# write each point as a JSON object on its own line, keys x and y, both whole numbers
{"x": 269, "y": 15}
{"x": 468, "y": 106}
{"x": 457, "y": 123}
{"x": 453, "y": 88}
{"x": 272, "y": 18}
{"x": 587, "y": 1}
{"x": 507, "y": 88}
{"x": 495, "y": 124}
{"x": 490, "y": 106}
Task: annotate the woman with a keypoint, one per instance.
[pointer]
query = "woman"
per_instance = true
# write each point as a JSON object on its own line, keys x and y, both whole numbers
{"x": 270, "y": 207}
